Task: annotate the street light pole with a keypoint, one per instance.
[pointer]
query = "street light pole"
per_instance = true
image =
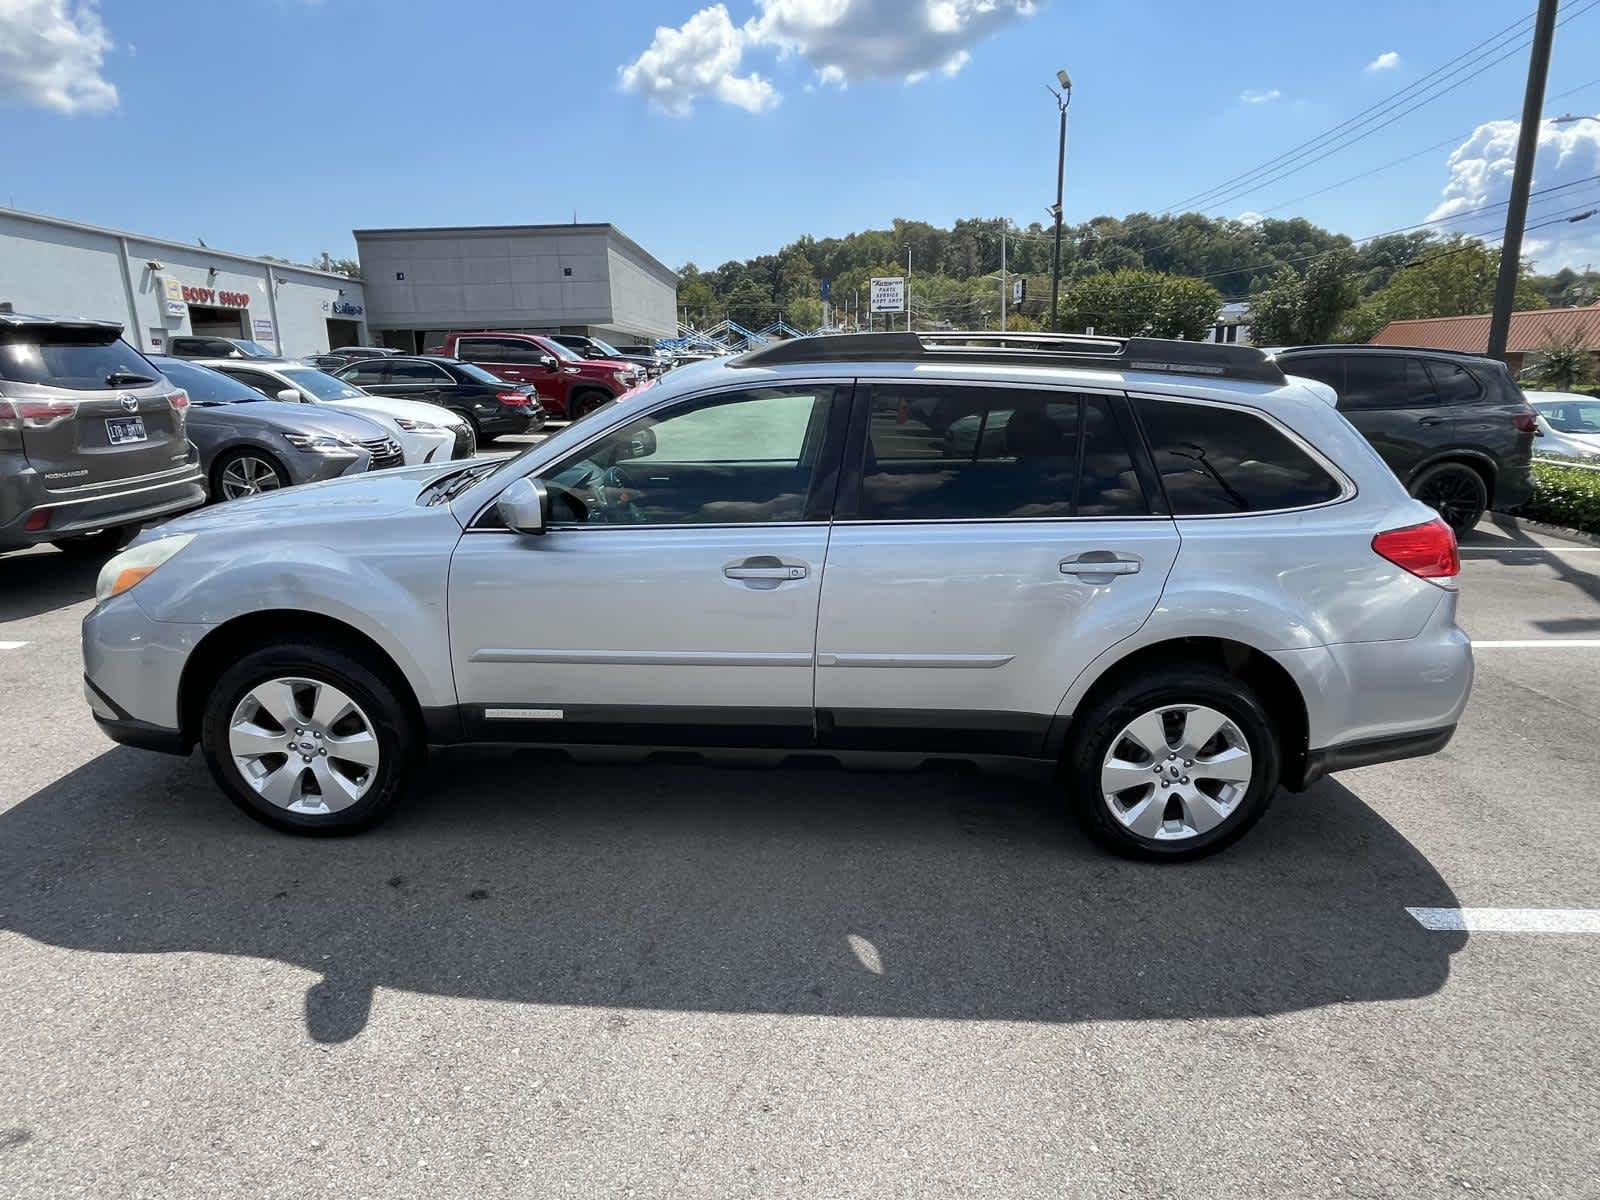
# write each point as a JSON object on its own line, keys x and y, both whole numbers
{"x": 1063, "y": 98}
{"x": 1505, "y": 292}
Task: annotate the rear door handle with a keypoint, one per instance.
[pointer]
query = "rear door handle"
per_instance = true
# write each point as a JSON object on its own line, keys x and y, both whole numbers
{"x": 1433, "y": 420}
{"x": 1099, "y": 562}
{"x": 764, "y": 572}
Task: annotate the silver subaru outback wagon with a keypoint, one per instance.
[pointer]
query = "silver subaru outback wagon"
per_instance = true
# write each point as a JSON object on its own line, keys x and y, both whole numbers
{"x": 1165, "y": 567}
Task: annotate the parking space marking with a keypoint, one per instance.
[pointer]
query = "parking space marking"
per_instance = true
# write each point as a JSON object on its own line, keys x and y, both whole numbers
{"x": 12, "y": 645}
{"x": 1540, "y": 644}
{"x": 1530, "y": 549}
{"x": 1508, "y": 920}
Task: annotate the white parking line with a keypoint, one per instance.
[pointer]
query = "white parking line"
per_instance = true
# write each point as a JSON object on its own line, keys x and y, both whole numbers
{"x": 1540, "y": 644}
{"x": 1508, "y": 920}
{"x": 1530, "y": 549}
{"x": 12, "y": 645}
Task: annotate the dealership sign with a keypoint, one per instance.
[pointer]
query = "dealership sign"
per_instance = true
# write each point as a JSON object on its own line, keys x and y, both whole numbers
{"x": 172, "y": 296}
{"x": 889, "y": 295}
{"x": 215, "y": 298}
{"x": 342, "y": 308}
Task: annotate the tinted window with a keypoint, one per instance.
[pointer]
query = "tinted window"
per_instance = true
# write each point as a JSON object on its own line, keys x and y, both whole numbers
{"x": 205, "y": 386}
{"x": 1324, "y": 368}
{"x": 499, "y": 350}
{"x": 414, "y": 372}
{"x": 265, "y": 384}
{"x": 371, "y": 371}
{"x": 476, "y": 373}
{"x": 726, "y": 459}
{"x": 1453, "y": 383}
{"x": 946, "y": 453}
{"x": 1221, "y": 460}
{"x": 72, "y": 365}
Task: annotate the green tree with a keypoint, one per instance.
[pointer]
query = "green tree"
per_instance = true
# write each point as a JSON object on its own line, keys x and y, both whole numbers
{"x": 1297, "y": 310}
{"x": 1141, "y": 304}
{"x": 804, "y": 313}
{"x": 1454, "y": 279}
{"x": 1564, "y": 364}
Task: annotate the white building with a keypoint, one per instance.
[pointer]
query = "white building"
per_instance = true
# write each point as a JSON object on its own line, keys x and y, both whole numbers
{"x": 589, "y": 279}
{"x": 157, "y": 288}
{"x": 1232, "y": 324}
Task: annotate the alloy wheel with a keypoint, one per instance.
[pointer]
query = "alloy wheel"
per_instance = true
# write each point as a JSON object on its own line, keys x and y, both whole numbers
{"x": 1454, "y": 496}
{"x": 248, "y": 476}
{"x": 1176, "y": 772}
{"x": 304, "y": 745}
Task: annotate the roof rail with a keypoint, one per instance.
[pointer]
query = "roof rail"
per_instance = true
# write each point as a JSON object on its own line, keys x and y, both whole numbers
{"x": 1378, "y": 347}
{"x": 1025, "y": 349}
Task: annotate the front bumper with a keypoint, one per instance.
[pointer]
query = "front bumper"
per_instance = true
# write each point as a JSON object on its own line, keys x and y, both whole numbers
{"x": 132, "y": 671}
{"x": 118, "y": 725}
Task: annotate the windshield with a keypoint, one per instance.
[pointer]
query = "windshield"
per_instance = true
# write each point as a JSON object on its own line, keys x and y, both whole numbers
{"x": 561, "y": 351}
{"x": 1571, "y": 416}
{"x": 322, "y": 385}
{"x": 475, "y": 372}
{"x": 607, "y": 350}
{"x": 205, "y": 386}
{"x": 252, "y": 349}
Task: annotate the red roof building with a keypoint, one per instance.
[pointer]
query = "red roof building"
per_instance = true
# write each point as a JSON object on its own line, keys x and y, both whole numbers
{"x": 1529, "y": 332}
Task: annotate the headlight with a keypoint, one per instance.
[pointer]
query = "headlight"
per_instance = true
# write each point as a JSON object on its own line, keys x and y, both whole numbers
{"x": 320, "y": 443}
{"x": 133, "y": 564}
{"x": 411, "y": 426}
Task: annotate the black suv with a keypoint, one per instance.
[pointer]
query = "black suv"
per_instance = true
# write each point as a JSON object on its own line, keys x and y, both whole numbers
{"x": 490, "y": 405}
{"x": 1454, "y": 427}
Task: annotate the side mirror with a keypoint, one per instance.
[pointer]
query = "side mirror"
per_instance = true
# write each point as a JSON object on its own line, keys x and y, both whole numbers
{"x": 548, "y": 362}
{"x": 289, "y": 396}
{"x": 525, "y": 506}
{"x": 641, "y": 443}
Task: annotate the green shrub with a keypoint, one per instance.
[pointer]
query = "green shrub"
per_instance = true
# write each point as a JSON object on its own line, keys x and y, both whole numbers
{"x": 1566, "y": 496}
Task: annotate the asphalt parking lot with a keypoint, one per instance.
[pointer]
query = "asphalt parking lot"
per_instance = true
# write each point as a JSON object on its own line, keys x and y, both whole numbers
{"x": 547, "y": 979}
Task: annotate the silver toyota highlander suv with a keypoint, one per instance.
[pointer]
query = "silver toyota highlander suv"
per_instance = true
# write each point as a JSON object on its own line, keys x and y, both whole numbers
{"x": 1165, "y": 567}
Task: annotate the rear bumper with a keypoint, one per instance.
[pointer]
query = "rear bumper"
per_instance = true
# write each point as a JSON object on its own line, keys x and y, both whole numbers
{"x": 1350, "y": 755}
{"x": 1513, "y": 488}
{"x": 107, "y": 509}
{"x": 515, "y": 420}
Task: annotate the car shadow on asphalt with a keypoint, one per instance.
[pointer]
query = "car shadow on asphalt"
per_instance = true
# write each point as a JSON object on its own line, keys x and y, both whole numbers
{"x": 1566, "y": 569}
{"x": 684, "y": 887}
{"x": 45, "y": 580}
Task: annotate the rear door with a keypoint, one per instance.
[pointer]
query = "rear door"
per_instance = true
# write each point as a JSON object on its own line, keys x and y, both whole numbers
{"x": 91, "y": 413}
{"x": 409, "y": 379}
{"x": 989, "y": 543}
{"x": 1393, "y": 401}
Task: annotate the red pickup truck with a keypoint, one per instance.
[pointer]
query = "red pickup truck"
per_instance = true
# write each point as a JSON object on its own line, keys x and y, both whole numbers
{"x": 568, "y": 384}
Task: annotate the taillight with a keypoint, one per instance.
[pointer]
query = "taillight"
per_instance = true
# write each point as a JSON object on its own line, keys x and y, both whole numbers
{"x": 1427, "y": 551}
{"x": 179, "y": 400}
{"x": 39, "y": 414}
{"x": 1525, "y": 421}
{"x": 38, "y": 519}
{"x": 513, "y": 399}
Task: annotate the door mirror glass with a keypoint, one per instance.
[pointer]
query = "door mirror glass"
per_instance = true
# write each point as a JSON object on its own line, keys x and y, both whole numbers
{"x": 525, "y": 506}
{"x": 289, "y": 396}
{"x": 548, "y": 362}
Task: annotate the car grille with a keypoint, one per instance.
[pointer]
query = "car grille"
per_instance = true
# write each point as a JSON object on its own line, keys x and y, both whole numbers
{"x": 385, "y": 453}
{"x": 466, "y": 445}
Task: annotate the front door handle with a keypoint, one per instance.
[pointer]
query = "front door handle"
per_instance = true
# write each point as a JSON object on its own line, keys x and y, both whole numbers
{"x": 764, "y": 571}
{"x": 1429, "y": 421}
{"x": 1098, "y": 563}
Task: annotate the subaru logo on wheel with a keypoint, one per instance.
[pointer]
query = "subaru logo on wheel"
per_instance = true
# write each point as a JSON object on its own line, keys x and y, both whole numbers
{"x": 129, "y": 403}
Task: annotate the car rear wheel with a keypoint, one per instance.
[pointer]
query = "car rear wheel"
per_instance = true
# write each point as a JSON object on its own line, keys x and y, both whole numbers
{"x": 310, "y": 739}
{"x": 1173, "y": 764}
{"x": 247, "y": 473}
{"x": 1455, "y": 491}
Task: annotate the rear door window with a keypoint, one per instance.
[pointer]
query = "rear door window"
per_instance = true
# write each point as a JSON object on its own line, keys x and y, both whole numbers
{"x": 372, "y": 370}
{"x": 499, "y": 350}
{"x": 1373, "y": 381}
{"x": 414, "y": 372}
{"x": 1214, "y": 461}
{"x": 1453, "y": 383}
{"x": 938, "y": 453}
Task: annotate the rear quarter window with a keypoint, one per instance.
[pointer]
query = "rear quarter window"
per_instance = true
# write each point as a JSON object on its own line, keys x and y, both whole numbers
{"x": 1216, "y": 461}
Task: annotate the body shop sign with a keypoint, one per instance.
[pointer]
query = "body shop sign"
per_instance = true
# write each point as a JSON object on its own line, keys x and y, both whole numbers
{"x": 215, "y": 298}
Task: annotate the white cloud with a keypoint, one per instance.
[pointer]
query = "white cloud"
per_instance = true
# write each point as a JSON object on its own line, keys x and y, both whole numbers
{"x": 1259, "y": 95}
{"x": 843, "y": 41}
{"x": 1387, "y": 61}
{"x": 1480, "y": 175}
{"x": 699, "y": 58}
{"x": 51, "y": 54}
{"x": 1250, "y": 217}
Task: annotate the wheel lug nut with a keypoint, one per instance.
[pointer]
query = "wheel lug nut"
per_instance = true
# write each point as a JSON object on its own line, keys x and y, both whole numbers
{"x": 1188, "y": 762}
{"x": 317, "y": 736}
{"x": 323, "y": 752}
{"x": 305, "y": 758}
{"x": 1185, "y": 779}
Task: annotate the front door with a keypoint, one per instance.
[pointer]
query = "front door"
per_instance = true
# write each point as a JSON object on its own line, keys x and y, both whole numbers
{"x": 674, "y": 599}
{"x": 991, "y": 544}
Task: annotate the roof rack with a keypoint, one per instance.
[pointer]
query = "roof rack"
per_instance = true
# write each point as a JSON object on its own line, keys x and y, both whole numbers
{"x": 1025, "y": 349}
{"x": 1379, "y": 347}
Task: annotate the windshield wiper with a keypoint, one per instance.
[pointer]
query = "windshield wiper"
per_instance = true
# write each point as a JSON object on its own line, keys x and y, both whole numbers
{"x": 452, "y": 486}
{"x": 128, "y": 379}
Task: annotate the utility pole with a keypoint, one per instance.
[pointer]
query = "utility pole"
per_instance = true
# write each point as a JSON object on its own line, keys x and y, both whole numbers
{"x": 1505, "y": 292}
{"x": 908, "y": 287}
{"x": 1063, "y": 98}
{"x": 1002, "y": 275}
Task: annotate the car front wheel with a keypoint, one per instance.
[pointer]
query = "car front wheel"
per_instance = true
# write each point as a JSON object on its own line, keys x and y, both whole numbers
{"x": 1172, "y": 764}
{"x": 308, "y": 738}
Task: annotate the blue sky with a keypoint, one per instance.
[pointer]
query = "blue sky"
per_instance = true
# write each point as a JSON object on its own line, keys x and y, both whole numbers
{"x": 277, "y": 126}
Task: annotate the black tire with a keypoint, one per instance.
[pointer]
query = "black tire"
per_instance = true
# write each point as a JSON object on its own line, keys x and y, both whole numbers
{"x": 224, "y": 461}
{"x": 472, "y": 420}
{"x": 1099, "y": 725}
{"x": 94, "y": 545}
{"x": 584, "y": 403}
{"x": 379, "y": 694}
{"x": 1455, "y": 491}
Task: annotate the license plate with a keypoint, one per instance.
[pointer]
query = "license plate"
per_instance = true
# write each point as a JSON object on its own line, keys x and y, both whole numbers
{"x": 122, "y": 430}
